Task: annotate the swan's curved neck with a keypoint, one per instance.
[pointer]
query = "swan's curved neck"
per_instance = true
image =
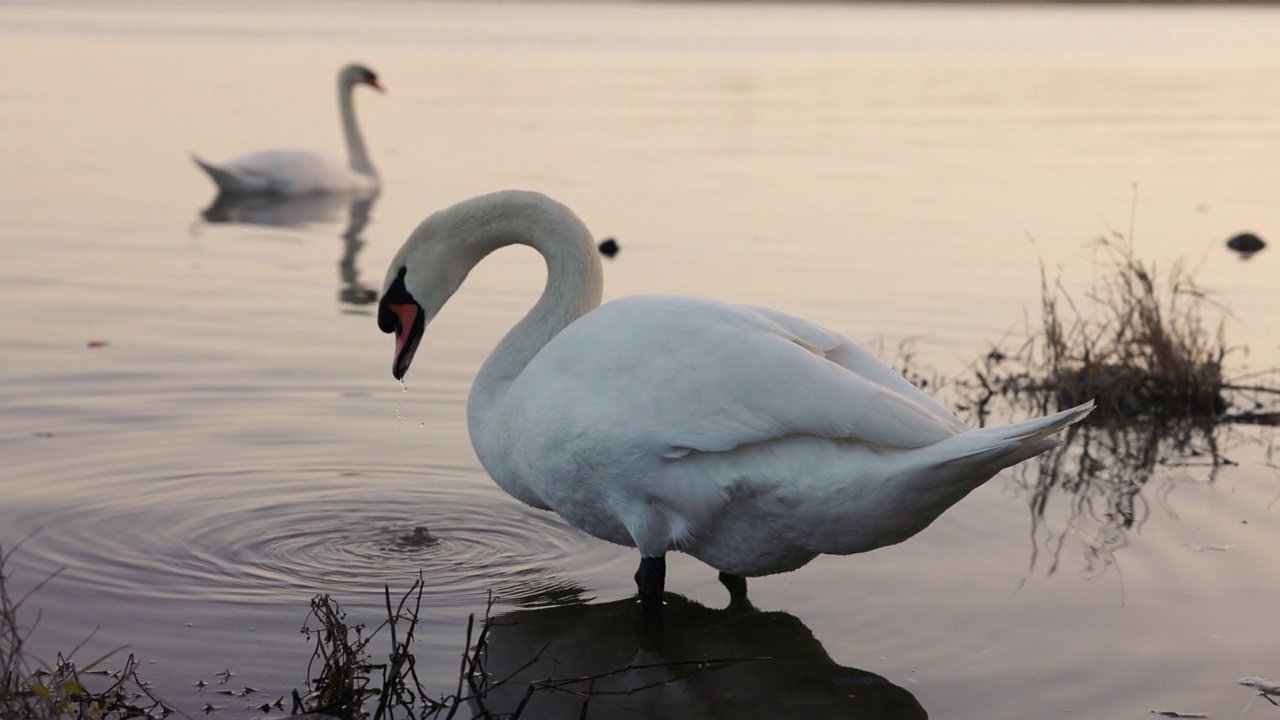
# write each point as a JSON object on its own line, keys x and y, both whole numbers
{"x": 359, "y": 157}
{"x": 575, "y": 284}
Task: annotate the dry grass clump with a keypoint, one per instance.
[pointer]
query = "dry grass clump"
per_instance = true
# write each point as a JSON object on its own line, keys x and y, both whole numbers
{"x": 1143, "y": 345}
{"x": 66, "y": 689}
{"x": 1147, "y": 349}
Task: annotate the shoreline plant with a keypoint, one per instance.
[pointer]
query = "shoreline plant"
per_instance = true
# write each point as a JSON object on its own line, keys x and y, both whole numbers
{"x": 65, "y": 689}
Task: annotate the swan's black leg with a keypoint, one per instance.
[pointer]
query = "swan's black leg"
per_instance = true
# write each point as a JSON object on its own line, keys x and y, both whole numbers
{"x": 735, "y": 584}
{"x": 651, "y": 579}
{"x": 737, "y": 587}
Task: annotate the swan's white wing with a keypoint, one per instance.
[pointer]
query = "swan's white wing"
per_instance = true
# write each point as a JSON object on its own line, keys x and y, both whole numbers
{"x": 293, "y": 172}
{"x": 697, "y": 375}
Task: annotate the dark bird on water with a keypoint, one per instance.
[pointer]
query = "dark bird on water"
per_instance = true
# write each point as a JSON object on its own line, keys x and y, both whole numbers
{"x": 1246, "y": 244}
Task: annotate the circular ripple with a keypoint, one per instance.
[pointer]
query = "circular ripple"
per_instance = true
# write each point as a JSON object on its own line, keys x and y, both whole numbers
{"x": 254, "y": 535}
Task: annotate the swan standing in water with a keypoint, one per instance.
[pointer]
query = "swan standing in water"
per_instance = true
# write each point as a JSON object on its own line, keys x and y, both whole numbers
{"x": 294, "y": 173}
{"x": 750, "y": 439}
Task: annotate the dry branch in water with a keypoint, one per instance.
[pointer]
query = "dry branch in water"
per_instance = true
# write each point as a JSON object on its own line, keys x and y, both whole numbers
{"x": 345, "y": 682}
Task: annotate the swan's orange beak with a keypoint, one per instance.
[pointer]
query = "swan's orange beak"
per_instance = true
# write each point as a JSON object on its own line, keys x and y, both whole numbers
{"x": 399, "y": 313}
{"x": 409, "y": 328}
{"x": 377, "y": 86}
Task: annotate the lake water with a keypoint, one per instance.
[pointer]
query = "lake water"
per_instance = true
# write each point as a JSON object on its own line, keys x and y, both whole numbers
{"x": 199, "y": 420}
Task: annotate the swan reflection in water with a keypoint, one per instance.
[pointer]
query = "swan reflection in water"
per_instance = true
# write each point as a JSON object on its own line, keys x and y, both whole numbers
{"x": 608, "y": 661}
{"x": 300, "y": 212}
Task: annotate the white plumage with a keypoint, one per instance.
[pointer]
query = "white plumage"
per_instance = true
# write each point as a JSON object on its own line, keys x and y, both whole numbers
{"x": 295, "y": 173}
{"x": 745, "y": 437}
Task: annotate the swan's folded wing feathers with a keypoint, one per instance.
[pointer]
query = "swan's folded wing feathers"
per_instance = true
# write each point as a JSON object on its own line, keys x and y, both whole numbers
{"x": 843, "y": 352}
{"x": 720, "y": 376}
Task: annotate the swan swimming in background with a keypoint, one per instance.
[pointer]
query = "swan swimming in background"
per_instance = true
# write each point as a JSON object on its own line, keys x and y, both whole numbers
{"x": 295, "y": 173}
{"x": 745, "y": 437}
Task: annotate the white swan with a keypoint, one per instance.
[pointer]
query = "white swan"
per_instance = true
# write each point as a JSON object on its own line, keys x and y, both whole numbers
{"x": 294, "y": 173}
{"x": 745, "y": 437}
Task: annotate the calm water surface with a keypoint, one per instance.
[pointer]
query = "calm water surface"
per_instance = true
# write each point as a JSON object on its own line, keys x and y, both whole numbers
{"x": 233, "y": 442}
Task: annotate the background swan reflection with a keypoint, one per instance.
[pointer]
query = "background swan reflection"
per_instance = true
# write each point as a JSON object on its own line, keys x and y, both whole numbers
{"x": 301, "y": 212}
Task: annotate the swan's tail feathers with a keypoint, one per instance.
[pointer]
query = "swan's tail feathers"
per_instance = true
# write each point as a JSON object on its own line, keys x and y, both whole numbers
{"x": 1007, "y": 445}
{"x": 227, "y": 181}
{"x": 1043, "y": 427}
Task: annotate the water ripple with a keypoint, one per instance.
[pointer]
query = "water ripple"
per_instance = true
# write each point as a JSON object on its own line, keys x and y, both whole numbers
{"x": 254, "y": 535}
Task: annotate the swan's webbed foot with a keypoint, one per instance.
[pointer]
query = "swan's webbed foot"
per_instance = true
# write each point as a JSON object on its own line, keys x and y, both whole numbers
{"x": 737, "y": 587}
{"x": 651, "y": 580}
